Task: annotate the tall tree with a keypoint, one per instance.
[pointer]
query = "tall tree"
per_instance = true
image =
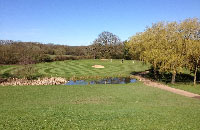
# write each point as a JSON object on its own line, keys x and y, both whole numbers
{"x": 107, "y": 45}
{"x": 190, "y": 32}
{"x": 160, "y": 45}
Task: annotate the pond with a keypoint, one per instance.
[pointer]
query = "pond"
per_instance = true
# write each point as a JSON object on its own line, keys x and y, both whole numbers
{"x": 102, "y": 81}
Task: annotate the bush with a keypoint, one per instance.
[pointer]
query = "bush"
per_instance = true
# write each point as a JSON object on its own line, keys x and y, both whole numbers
{"x": 46, "y": 58}
{"x": 28, "y": 72}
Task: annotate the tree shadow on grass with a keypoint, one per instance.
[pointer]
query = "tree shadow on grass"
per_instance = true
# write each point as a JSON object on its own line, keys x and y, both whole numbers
{"x": 166, "y": 77}
{"x": 6, "y": 75}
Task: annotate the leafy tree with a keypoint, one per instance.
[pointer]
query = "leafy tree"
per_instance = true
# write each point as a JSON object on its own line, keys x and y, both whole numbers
{"x": 190, "y": 32}
{"x": 169, "y": 47}
{"x": 160, "y": 45}
{"x": 127, "y": 55}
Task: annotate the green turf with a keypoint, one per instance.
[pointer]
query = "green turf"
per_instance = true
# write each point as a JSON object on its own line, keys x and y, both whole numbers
{"x": 8, "y": 68}
{"x": 83, "y": 68}
{"x": 131, "y": 106}
{"x": 187, "y": 87}
{"x": 53, "y": 56}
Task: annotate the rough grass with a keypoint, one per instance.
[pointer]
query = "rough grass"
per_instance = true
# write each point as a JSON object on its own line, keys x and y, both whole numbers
{"x": 130, "y": 106}
{"x": 83, "y": 68}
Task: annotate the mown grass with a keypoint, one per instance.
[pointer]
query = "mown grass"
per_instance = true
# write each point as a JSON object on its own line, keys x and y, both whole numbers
{"x": 83, "y": 68}
{"x": 130, "y": 106}
{"x": 190, "y": 87}
{"x": 8, "y": 69}
{"x": 53, "y": 56}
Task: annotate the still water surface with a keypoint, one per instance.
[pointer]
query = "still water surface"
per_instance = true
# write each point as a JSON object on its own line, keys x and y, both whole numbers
{"x": 102, "y": 81}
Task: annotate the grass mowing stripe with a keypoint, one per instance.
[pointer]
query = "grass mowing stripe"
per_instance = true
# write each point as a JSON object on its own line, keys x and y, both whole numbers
{"x": 84, "y": 68}
{"x": 7, "y": 69}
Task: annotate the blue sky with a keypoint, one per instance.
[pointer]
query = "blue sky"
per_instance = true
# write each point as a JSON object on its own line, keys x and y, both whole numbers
{"x": 78, "y": 22}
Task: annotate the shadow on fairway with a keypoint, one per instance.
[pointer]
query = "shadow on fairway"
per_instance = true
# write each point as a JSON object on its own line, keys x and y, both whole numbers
{"x": 166, "y": 77}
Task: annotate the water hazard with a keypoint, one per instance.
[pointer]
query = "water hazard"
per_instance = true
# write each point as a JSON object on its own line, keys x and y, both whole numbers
{"x": 102, "y": 81}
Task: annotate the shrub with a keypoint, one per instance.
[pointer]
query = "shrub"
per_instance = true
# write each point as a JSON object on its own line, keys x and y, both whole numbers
{"x": 46, "y": 58}
{"x": 28, "y": 72}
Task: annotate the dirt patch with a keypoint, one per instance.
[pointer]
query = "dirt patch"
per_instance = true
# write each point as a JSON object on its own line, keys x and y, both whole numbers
{"x": 98, "y": 66}
{"x": 104, "y": 59}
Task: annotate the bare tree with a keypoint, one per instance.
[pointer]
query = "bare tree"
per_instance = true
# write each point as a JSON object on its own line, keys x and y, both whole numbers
{"x": 107, "y": 45}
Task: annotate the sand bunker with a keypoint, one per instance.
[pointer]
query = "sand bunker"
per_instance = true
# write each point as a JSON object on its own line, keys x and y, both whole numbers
{"x": 104, "y": 59}
{"x": 98, "y": 66}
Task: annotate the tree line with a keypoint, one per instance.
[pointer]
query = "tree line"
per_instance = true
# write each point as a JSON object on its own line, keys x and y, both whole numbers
{"x": 170, "y": 47}
{"x": 107, "y": 45}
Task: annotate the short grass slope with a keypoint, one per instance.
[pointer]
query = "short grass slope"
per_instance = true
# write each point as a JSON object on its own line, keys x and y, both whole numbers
{"x": 130, "y": 106}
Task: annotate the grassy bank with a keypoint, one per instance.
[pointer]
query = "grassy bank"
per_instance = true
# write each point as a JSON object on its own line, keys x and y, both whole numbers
{"x": 187, "y": 87}
{"x": 184, "y": 81}
{"x": 130, "y": 106}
